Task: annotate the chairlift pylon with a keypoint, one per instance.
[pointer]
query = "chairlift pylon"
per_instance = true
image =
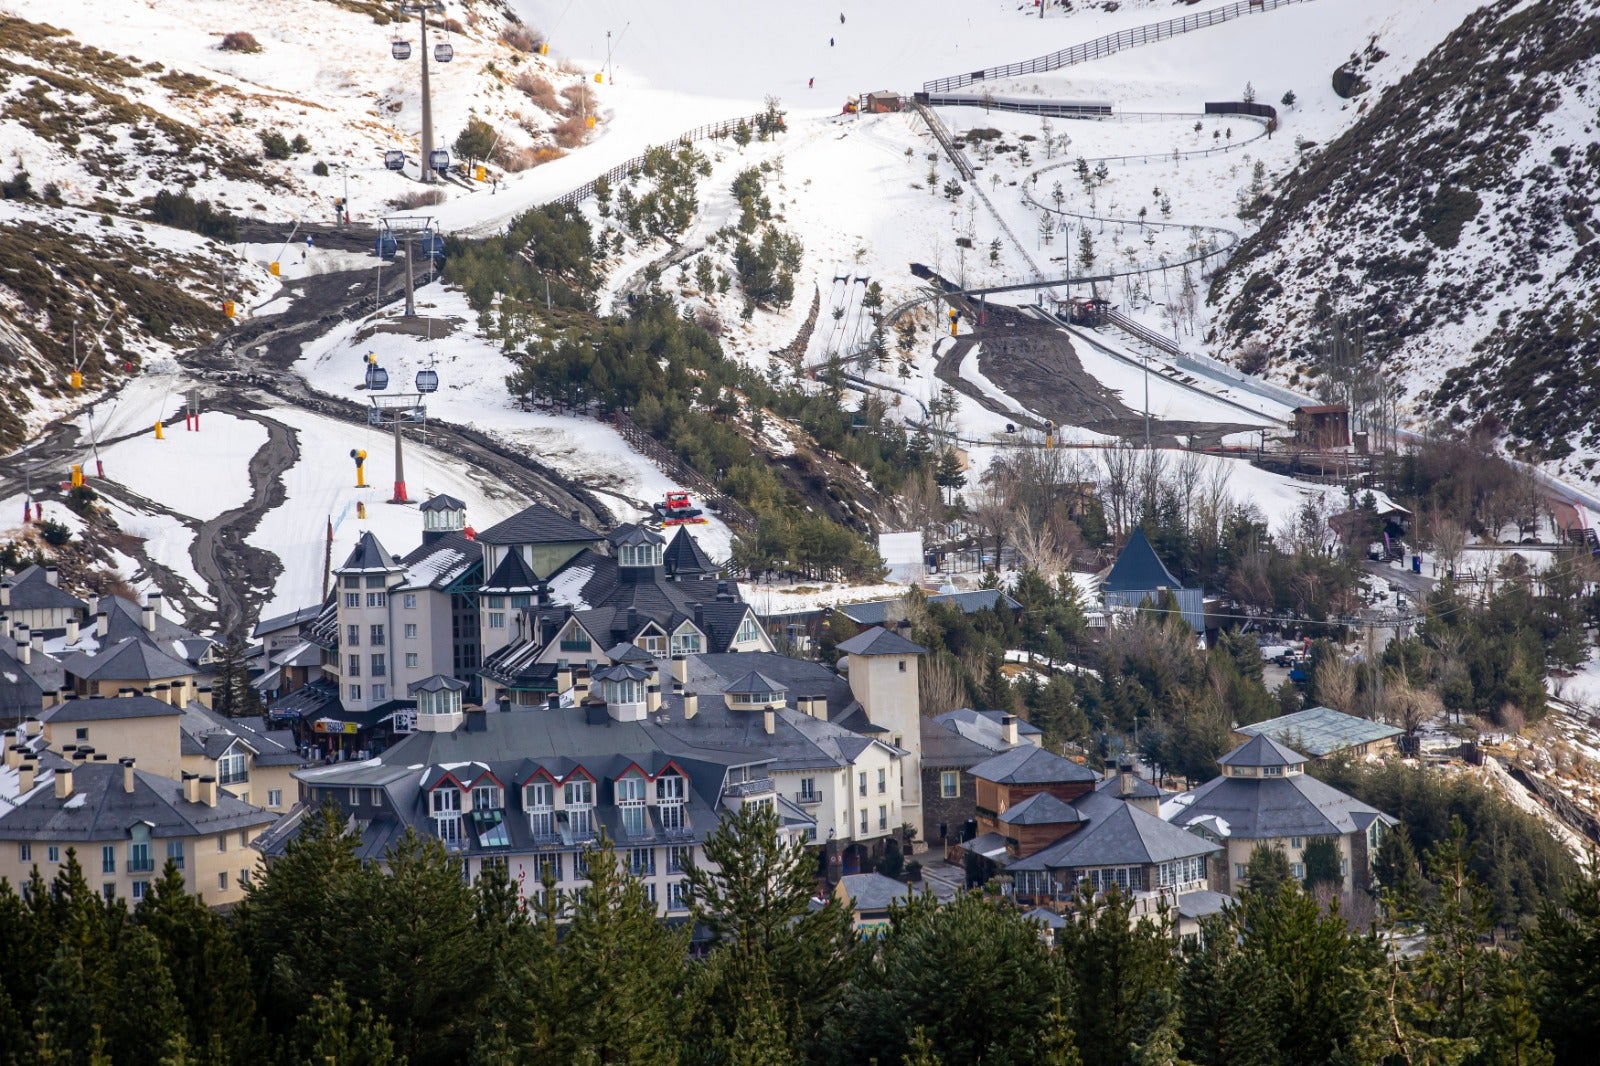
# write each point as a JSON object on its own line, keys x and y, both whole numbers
{"x": 400, "y": 49}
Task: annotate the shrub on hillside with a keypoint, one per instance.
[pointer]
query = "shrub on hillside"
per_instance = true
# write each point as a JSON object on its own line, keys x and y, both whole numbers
{"x": 538, "y": 89}
{"x": 570, "y": 132}
{"x": 198, "y": 216}
{"x": 513, "y": 160}
{"x": 275, "y": 144}
{"x": 54, "y": 533}
{"x": 579, "y": 100}
{"x": 420, "y": 198}
{"x": 240, "y": 42}
{"x": 521, "y": 37}
{"x": 476, "y": 141}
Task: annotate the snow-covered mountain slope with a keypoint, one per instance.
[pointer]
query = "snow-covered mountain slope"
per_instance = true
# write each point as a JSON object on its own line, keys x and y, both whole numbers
{"x": 186, "y": 115}
{"x": 1454, "y": 226}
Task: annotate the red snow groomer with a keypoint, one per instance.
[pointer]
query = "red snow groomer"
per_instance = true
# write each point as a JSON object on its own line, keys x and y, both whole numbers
{"x": 677, "y": 510}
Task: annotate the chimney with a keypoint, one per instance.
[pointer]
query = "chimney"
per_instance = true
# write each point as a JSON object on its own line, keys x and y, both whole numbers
{"x": 72, "y": 630}
{"x": 162, "y": 692}
{"x": 191, "y": 787}
{"x": 476, "y": 719}
{"x": 25, "y": 775}
{"x": 691, "y": 705}
{"x": 152, "y": 604}
{"x": 633, "y": 622}
{"x": 1111, "y": 768}
{"x": 14, "y": 753}
{"x": 203, "y": 694}
{"x": 652, "y": 697}
{"x": 175, "y": 691}
{"x": 552, "y": 702}
{"x": 680, "y": 669}
{"x": 503, "y": 702}
{"x": 1008, "y": 728}
{"x": 563, "y": 675}
{"x": 208, "y": 790}
{"x": 102, "y": 625}
{"x": 64, "y": 783}
{"x": 38, "y": 643}
{"x": 5, "y": 594}
{"x": 32, "y": 726}
{"x": 580, "y": 682}
{"x": 52, "y": 576}
{"x": 1125, "y": 779}
{"x": 127, "y": 775}
{"x": 576, "y": 517}
{"x": 24, "y": 652}
{"x": 769, "y": 721}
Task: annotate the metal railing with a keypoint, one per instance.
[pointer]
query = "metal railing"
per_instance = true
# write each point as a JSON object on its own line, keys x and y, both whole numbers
{"x": 1110, "y": 44}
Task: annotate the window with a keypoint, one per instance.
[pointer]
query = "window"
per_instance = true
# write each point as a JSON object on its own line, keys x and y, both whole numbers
{"x": 883, "y": 781}
{"x": 352, "y": 635}
{"x": 139, "y": 860}
{"x": 222, "y": 880}
{"x": 497, "y": 620}
{"x": 641, "y": 861}
{"x": 494, "y": 603}
{"x": 233, "y": 768}
{"x": 1272, "y": 771}
{"x": 538, "y": 797}
{"x": 353, "y": 667}
{"x": 808, "y": 789}
{"x": 949, "y": 784}
{"x": 108, "y": 859}
{"x": 630, "y": 802}
{"x": 1298, "y": 869}
{"x": 355, "y": 796}
{"x": 1297, "y": 842}
{"x": 486, "y": 798}
{"x": 1180, "y": 872}
{"x": 140, "y": 890}
{"x": 375, "y": 796}
{"x": 83, "y": 733}
{"x": 1240, "y": 871}
{"x": 377, "y": 636}
{"x": 883, "y": 817}
{"x": 352, "y": 600}
{"x": 863, "y": 822}
{"x": 380, "y": 665}
{"x": 222, "y": 842}
{"x": 24, "y": 853}
{"x": 108, "y": 890}
{"x": 411, "y": 660}
{"x": 352, "y": 582}
{"x": 377, "y": 599}
{"x": 53, "y": 853}
{"x": 355, "y": 692}
{"x": 902, "y": 666}
{"x": 677, "y": 896}
{"x": 374, "y": 581}
{"x": 175, "y": 853}
{"x": 861, "y": 782}
{"x": 411, "y": 631}
{"x": 687, "y": 644}
{"x": 244, "y": 878}
{"x": 579, "y": 798}
{"x": 445, "y": 800}
{"x": 677, "y": 860}
{"x": 547, "y": 860}
{"x": 410, "y": 602}
{"x": 380, "y": 692}
{"x": 748, "y": 631}
{"x": 655, "y": 644}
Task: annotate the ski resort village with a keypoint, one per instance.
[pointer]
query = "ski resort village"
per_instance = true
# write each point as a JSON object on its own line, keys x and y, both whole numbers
{"x": 969, "y": 531}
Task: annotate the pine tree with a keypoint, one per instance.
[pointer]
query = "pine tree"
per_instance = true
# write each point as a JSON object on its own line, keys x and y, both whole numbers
{"x": 1268, "y": 871}
{"x": 1225, "y": 1017}
{"x": 1321, "y": 859}
{"x": 335, "y": 1033}
{"x": 232, "y": 693}
{"x": 1562, "y": 955}
{"x": 141, "y": 1019}
{"x": 1134, "y": 974}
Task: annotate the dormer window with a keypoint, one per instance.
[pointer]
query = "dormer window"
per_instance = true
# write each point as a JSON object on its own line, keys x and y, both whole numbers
{"x": 579, "y": 801}
{"x": 630, "y": 803}
{"x": 539, "y": 798}
{"x": 639, "y": 555}
{"x": 444, "y": 805}
{"x": 748, "y": 631}
{"x": 624, "y": 690}
{"x": 671, "y": 792}
{"x": 687, "y": 642}
{"x": 486, "y": 798}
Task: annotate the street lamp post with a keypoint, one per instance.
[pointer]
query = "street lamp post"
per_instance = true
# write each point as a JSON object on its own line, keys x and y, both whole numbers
{"x": 422, "y": 10}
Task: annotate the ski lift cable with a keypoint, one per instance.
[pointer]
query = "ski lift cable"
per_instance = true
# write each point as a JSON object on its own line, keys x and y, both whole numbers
{"x": 99, "y": 340}
{"x": 292, "y": 231}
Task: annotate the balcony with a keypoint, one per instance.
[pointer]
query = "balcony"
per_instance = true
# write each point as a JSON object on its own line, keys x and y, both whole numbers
{"x": 233, "y": 777}
{"x": 808, "y": 798}
{"x": 575, "y": 645}
{"x": 141, "y": 866}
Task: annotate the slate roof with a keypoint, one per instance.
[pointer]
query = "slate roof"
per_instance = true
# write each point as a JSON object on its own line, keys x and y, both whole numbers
{"x": 132, "y": 659}
{"x": 205, "y": 732}
{"x": 714, "y": 675}
{"x": 874, "y": 891}
{"x": 1261, "y": 751}
{"x": 684, "y": 556}
{"x": 797, "y": 742}
{"x": 876, "y": 612}
{"x": 1203, "y": 902}
{"x": 99, "y": 808}
{"x": 513, "y": 575}
{"x": 368, "y": 556}
{"x": 292, "y": 620}
{"x": 1138, "y": 568}
{"x": 880, "y": 641}
{"x": 754, "y": 682}
{"x": 108, "y": 708}
{"x": 634, "y": 534}
{"x": 537, "y": 524}
{"x": 1321, "y": 731}
{"x": 1041, "y": 808}
{"x": 441, "y": 562}
{"x": 1028, "y": 765}
{"x": 983, "y": 727}
{"x": 1142, "y": 789}
{"x": 125, "y": 619}
{"x": 436, "y": 683}
{"x": 442, "y": 502}
{"x": 946, "y": 750}
{"x": 21, "y": 693}
{"x": 1118, "y": 834}
{"x": 31, "y": 591}
{"x": 1253, "y": 808}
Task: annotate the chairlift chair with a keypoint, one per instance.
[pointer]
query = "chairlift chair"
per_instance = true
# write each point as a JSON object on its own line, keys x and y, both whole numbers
{"x": 400, "y": 49}
{"x": 377, "y": 378}
{"x": 443, "y": 52}
{"x": 427, "y": 381}
{"x": 395, "y": 159}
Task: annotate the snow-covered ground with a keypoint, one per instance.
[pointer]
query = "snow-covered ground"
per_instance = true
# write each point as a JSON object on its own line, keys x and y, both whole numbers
{"x": 199, "y": 474}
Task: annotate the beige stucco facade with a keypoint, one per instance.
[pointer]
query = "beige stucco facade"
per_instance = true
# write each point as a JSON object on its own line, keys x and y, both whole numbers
{"x": 153, "y": 740}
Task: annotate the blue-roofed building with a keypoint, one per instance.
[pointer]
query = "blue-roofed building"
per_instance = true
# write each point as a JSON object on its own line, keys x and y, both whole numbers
{"x": 878, "y": 612}
{"x": 1321, "y": 732}
{"x": 1139, "y": 575}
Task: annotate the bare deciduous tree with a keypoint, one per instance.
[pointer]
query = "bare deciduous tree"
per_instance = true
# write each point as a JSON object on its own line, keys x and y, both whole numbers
{"x": 939, "y": 685}
{"x": 1336, "y": 684}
